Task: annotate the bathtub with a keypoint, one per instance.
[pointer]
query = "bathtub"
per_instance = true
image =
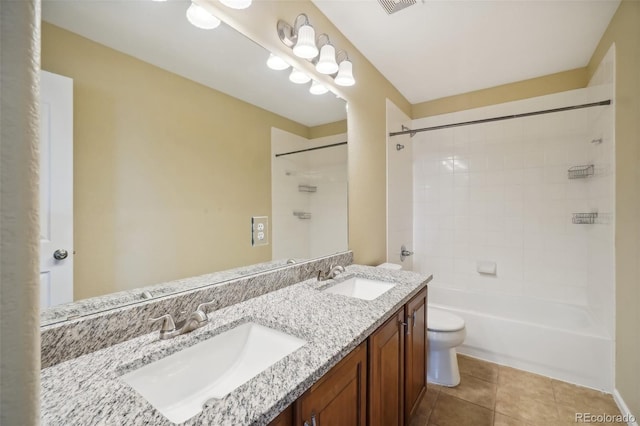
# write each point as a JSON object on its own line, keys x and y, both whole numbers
{"x": 553, "y": 339}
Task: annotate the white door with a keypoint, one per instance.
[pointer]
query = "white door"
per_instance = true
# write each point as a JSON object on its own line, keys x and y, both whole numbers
{"x": 56, "y": 189}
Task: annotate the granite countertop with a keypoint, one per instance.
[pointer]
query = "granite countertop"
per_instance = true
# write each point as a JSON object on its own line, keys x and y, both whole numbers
{"x": 88, "y": 391}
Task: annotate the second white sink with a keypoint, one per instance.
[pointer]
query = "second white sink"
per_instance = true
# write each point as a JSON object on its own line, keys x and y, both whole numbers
{"x": 180, "y": 384}
{"x": 360, "y": 288}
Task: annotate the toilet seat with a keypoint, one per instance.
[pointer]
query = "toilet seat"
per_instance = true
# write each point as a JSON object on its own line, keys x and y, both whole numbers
{"x": 441, "y": 321}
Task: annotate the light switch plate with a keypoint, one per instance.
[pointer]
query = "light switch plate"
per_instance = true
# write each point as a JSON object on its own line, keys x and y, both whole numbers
{"x": 259, "y": 230}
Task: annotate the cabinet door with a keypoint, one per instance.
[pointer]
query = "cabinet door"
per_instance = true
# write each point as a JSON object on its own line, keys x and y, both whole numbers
{"x": 339, "y": 398}
{"x": 386, "y": 373}
{"x": 284, "y": 419}
{"x": 415, "y": 352}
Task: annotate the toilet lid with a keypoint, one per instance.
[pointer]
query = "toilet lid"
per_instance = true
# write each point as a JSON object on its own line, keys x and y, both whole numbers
{"x": 438, "y": 320}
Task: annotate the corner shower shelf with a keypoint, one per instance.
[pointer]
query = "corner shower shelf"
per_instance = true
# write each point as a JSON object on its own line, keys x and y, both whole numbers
{"x": 581, "y": 172}
{"x": 584, "y": 218}
{"x": 307, "y": 188}
{"x": 302, "y": 215}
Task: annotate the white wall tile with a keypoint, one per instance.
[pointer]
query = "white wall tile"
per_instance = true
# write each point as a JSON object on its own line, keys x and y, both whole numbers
{"x": 500, "y": 192}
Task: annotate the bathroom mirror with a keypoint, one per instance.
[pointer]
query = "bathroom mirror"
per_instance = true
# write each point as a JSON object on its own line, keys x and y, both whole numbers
{"x": 176, "y": 131}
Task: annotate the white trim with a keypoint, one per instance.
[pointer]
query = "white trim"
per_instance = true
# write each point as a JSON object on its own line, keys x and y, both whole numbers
{"x": 623, "y": 406}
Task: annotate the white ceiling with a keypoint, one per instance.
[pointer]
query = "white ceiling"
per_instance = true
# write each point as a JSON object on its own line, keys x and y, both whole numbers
{"x": 437, "y": 48}
{"x": 159, "y": 33}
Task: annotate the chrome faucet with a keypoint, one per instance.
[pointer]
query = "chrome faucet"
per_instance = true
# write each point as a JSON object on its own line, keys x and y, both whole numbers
{"x": 330, "y": 273}
{"x": 195, "y": 320}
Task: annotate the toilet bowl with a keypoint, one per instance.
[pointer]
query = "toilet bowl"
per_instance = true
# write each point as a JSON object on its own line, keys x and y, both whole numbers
{"x": 445, "y": 331}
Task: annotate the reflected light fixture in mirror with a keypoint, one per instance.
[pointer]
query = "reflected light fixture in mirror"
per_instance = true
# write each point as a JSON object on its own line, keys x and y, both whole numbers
{"x": 275, "y": 62}
{"x": 299, "y": 77}
{"x": 236, "y": 4}
{"x": 201, "y": 18}
{"x": 317, "y": 88}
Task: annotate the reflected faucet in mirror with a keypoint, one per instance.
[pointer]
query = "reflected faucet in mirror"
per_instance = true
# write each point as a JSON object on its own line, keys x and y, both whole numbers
{"x": 195, "y": 320}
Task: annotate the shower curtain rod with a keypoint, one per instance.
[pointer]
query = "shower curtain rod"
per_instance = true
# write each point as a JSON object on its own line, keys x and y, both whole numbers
{"x": 504, "y": 117}
{"x": 311, "y": 149}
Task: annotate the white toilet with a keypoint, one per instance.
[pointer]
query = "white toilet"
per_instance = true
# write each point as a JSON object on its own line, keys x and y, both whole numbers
{"x": 445, "y": 331}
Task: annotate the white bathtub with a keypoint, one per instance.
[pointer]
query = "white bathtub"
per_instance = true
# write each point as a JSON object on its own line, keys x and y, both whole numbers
{"x": 553, "y": 339}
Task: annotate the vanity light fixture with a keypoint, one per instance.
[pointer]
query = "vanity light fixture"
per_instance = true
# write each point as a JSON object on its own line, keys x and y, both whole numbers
{"x": 301, "y": 37}
{"x": 345, "y": 71}
{"x": 327, "y": 62}
{"x": 236, "y": 4}
{"x": 275, "y": 62}
{"x": 201, "y": 18}
{"x": 318, "y": 88}
{"x": 299, "y": 77}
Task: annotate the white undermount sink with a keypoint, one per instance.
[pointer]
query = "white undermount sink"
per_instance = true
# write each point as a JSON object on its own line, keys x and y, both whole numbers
{"x": 181, "y": 383}
{"x": 360, "y": 288}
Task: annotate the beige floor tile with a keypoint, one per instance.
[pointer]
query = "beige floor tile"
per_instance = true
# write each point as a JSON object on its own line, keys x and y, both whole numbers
{"x": 584, "y": 400}
{"x": 451, "y": 411}
{"x": 526, "y": 409}
{"x": 502, "y": 420}
{"x": 423, "y": 412}
{"x": 474, "y": 390}
{"x": 477, "y": 368}
{"x": 525, "y": 384}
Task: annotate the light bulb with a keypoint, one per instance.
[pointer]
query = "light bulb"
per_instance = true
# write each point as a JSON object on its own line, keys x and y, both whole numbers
{"x": 276, "y": 62}
{"x": 327, "y": 63}
{"x": 236, "y": 4}
{"x": 299, "y": 77}
{"x": 345, "y": 74}
{"x": 306, "y": 48}
{"x": 201, "y": 18}
{"x": 318, "y": 88}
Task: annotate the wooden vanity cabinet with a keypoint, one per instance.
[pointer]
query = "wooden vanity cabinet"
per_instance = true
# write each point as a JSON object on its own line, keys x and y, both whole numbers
{"x": 339, "y": 398}
{"x": 284, "y": 419}
{"x": 386, "y": 372}
{"x": 380, "y": 383}
{"x": 415, "y": 352}
{"x": 397, "y": 364}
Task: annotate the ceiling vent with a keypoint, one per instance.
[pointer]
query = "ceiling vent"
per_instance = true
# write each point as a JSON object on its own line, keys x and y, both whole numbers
{"x": 393, "y": 6}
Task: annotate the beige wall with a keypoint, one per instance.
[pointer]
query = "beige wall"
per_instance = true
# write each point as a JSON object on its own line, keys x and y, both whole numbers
{"x": 167, "y": 172}
{"x": 328, "y": 129}
{"x": 624, "y": 31}
{"x": 545, "y": 85}
{"x": 19, "y": 244}
{"x": 366, "y": 115}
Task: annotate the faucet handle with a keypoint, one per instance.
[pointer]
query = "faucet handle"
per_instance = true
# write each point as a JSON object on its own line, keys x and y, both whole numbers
{"x": 167, "y": 322}
{"x": 205, "y": 305}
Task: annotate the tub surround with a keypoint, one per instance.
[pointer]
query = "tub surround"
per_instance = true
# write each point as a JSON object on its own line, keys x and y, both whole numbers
{"x": 65, "y": 340}
{"x": 88, "y": 390}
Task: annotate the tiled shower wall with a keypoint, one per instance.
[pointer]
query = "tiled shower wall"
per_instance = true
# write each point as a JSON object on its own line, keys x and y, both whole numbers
{"x": 499, "y": 192}
{"x": 325, "y": 231}
{"x": 400, "y": 188}
{"x": 601, "y": 188}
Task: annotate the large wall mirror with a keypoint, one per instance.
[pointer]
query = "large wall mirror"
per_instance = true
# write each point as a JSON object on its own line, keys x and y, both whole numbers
{"x": 180, "y": 137}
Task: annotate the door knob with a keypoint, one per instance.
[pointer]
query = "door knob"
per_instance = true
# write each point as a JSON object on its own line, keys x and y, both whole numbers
{"x": 60, "y": 254}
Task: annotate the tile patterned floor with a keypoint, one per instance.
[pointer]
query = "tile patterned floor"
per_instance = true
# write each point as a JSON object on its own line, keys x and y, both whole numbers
{"x": 494, "y": 395}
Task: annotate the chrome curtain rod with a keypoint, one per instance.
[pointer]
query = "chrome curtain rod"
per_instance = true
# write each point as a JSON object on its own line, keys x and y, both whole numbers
{"x": 311, "y": 149}
{"x": 504, "y": 117}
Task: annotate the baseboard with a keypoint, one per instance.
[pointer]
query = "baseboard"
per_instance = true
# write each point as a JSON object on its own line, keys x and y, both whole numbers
{"x": 623, "y": 407}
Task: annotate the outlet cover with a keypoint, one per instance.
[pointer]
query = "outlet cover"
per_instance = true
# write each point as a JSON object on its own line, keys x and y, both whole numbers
{"x": 259, "y": 230}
